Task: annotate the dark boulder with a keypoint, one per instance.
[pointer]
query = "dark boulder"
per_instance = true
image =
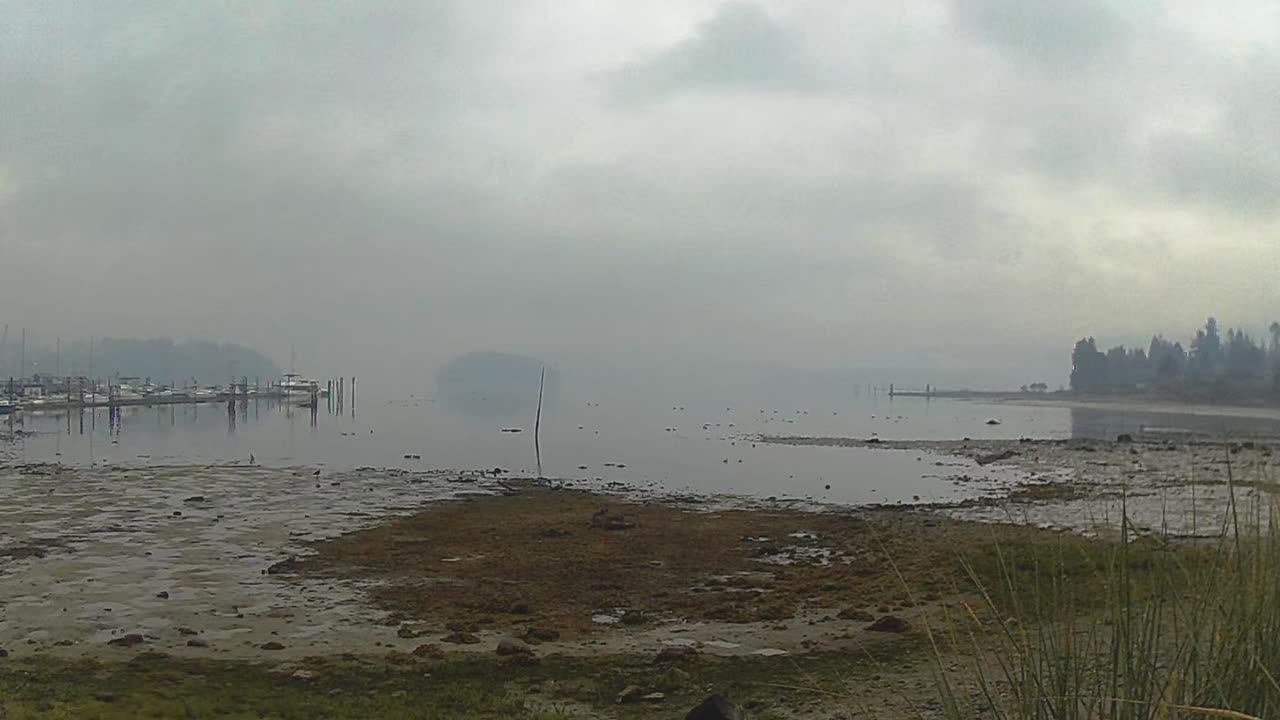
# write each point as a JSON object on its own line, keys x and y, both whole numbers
{"x": 714, "y": 708}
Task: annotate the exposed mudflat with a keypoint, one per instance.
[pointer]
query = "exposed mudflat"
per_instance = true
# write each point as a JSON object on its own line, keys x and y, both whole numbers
{"x": 181, "y": 553}
{"x": 291, "y": 568}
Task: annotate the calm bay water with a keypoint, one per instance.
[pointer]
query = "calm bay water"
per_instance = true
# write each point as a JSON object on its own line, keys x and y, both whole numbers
{"x": 655, "y": 443}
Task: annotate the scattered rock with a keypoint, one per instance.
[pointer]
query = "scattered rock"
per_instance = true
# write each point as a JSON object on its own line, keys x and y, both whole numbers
{"x": 187, "y": 631}
{"x": 993, "y": 421}
{"x": 513, "y": 646}
{"x": 429, "y": 650}
{"x": 194, "y": 499}
{"x": 850, "y": 613}
{"x": 634, "y": 617}
{"x": 302, "y": 675}
{"x": 4, "y": 653}
{"x": 890, "y": 624}
{"x": 408, "y": 633}
{"x": 674, "y": 653}
{"x": 104, "y": 697}
{"x": 995, "y": 457}
{"x": 630, "y": 694}
{"x": 197, "y": 643}
{"x": 461, "y": 638}
{"x": 127, "y": 640}
{"x": 273, "y": 645}
{"x": 1124, "y": 438}
{"x": 520, "y": 608}
{"x": 535, "y": 634}
{"x": 654, "y": 697}
{"x": 714, "y": 708}
{"x": 163, "y": 594}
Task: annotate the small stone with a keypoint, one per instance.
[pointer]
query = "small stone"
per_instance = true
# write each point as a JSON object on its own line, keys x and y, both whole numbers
{"x": 302, "y": 675}
{"x": 163, "y": 594}
{"x": 127, "y": 641}
{"x": 194, "y": 499}
{"x": 4, "y": 653}
{"x": 520, "y": 608}
{"x": 197, "y": 643}
{"x": 429, "y": 650}
{"x": 407, "y": 632}
{"x": 634, "y": 617}
{"x": 654, "y": 697}
{"x": 273, "y": 645}
{"x": 187, "y": 631}
{"x": 512, "y": 646}
{"x": 461, "y": 638}
{"x": 630, "y": 694}
{"x": 890, "y": 624}
{"x": 851, "y": 613}
{"x": 535, "y": 634}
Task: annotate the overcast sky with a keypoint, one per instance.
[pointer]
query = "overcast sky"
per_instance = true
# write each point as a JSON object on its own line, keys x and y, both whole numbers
{"x": 959, "y": 188}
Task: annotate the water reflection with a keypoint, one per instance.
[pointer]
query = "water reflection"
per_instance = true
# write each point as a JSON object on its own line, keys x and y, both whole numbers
{"x": 668, "y": 442}
{"x": 1107, "y": 423}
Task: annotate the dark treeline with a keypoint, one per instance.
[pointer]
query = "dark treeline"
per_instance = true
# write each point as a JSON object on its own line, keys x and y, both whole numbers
{"x": 1214, "y": 366}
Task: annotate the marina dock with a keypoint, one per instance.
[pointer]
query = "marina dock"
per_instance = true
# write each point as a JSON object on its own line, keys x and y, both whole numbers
{"x": 39, "y": 395}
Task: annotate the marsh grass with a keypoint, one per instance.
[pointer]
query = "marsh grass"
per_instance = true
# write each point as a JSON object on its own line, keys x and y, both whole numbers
{"x": 1146, "y": 628}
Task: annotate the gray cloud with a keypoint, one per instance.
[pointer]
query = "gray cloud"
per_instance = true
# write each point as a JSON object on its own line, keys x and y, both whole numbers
{"x": 1050, "y": 34}
{"x": 739, "y": 47}
{"x": 754, "y": 188}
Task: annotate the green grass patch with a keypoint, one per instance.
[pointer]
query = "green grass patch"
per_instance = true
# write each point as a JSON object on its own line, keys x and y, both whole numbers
{"x": 1146, "y": 629}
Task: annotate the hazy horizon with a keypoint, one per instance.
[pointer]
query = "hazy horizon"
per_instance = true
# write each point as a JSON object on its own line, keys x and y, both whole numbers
{"x": 691, "y": 193}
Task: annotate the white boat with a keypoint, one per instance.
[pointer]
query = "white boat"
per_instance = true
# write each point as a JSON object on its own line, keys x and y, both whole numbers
{"x": 296, "y": 385}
